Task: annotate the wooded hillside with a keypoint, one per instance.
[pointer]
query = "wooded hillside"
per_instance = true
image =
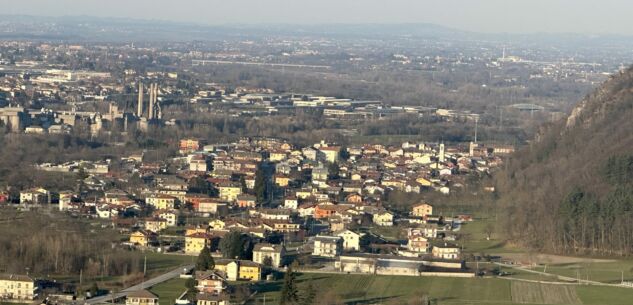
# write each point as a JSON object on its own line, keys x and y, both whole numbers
{"x": 571, "y": 190}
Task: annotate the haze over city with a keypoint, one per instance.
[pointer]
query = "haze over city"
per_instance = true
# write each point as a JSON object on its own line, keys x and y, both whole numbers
{"x": 494, "y": 16}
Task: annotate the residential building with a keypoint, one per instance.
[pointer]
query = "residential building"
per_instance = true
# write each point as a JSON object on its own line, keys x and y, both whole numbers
{"x": 170, "y": 217}
{"x": 141, "y": 297}
{"x": 17, "y": 287}
{"x": 351, "y": 239}
{"x": 330, "y": 153}
{"x": 291, "y": 203}
{"x": 143, "y": 238}
{"x": 35, "y": 196}
{"x": 417, "y": 242}
{"x": 155, "y": 224}
{"x": 229, "y": 191}
{"x": 161, "y": 201}
{"x": 422, "y": 210}
{"x": 246, "y": 201}
{"x": 194, "y": 243}
{"x": 210, "y": 282}
{"x": 327, "y": 246}
{"x": 212, "y": 299}
{"x": 239, "y": 269}
{"x": 212, "y": 206}
{"x": 188, "y": 146}
{"x": 282, "y": 180}
{"x": 198, "y": 163}
{"x": 264, "y": 251}
{"x": 65, "y": 200}
{"x": 446, "y": 251}
{"x": 384, "y": 219}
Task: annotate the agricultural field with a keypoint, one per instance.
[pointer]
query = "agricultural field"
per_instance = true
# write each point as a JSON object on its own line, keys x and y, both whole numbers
{"x": 169, "y": 291}
{"x": 526, "y": 292}
{"x": 371, "y": 289}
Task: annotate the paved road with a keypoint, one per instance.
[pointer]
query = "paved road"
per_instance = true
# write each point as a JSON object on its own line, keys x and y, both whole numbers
{"x": 144, "y": 285}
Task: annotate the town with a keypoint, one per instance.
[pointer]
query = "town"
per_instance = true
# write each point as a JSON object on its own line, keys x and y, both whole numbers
{"x": 260, "y": 205}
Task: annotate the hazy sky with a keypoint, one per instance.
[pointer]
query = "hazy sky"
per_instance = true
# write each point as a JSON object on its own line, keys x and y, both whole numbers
{"x": 523, "y": 16}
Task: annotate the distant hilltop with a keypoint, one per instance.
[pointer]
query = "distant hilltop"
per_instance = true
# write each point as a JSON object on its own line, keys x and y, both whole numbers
{"x": 124, "y": 29}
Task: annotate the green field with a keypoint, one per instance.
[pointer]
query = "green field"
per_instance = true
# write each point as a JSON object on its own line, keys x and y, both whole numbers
{"x": 389, "y": 233}
{"x": 606, "y": 272}
{"x": 169, "y": 291}
{"x": 474, "y": 238}
{"x": 159, "y": 263}
{"x": 371, "y": 289}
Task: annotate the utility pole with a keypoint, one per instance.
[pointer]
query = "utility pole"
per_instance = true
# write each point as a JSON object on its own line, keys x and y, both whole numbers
{"x": 476, "y": 125}
{"x": 500, "y": 118}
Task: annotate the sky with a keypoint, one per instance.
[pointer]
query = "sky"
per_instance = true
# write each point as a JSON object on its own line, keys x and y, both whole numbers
{"x": 491, "y": 16}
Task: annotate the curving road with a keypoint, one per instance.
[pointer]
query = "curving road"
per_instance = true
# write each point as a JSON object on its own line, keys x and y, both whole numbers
{"x": 144, "y": 285}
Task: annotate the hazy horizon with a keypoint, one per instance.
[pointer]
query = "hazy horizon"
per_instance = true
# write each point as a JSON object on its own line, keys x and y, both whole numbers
{"x": 487, "y": 16}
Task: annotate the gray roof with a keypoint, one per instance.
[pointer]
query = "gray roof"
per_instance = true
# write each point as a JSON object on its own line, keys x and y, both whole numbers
{"x": 381, "y": 263}
{"x": 145, "y": 294}
{"x": 15, "y": 277}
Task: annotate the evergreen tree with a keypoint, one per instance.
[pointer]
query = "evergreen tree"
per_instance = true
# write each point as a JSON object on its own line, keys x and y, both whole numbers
{"x": 205, "y": 260}
{"x": 260, "y": 185}
{"x": 94, "y": 289}
{"x": 333, "y": 171}
{"x": 268, "y": 261}
{"x": 236, "y": 245}
{"x": 201, "y": 186}
{"x": 243, "y": 184}
{"x": 190, "y": 284}
{"x": 310, "y": 295}
{"x": 343, "y": 154}
{"x": 289, "y": 294}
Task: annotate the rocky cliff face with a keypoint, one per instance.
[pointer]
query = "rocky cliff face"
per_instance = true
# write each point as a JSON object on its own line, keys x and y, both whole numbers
{"x": 595, "y": 105}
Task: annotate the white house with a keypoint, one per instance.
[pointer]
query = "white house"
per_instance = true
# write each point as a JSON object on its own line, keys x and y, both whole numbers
{"x": 351, "y": 239}
{"x": 327, "y": 246}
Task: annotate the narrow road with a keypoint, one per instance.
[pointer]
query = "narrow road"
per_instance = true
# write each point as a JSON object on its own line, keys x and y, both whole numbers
{"x": 560, "y": 277}
{"x": 144, "y": 285}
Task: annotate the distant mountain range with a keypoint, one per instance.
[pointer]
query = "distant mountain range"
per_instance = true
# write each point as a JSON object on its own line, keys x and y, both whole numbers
{"x": 86, "y": 28}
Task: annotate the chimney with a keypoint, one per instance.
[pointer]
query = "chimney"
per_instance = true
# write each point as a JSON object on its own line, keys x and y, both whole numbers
{"x": 139, "y": 110}
{"x": 151, "y": 102}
